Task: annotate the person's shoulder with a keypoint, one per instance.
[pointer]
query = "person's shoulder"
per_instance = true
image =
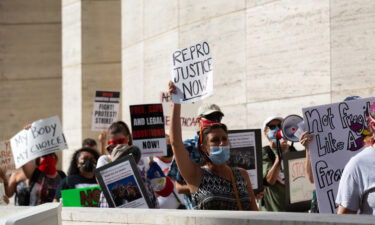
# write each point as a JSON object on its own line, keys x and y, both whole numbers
{"x": 103, "y": 160}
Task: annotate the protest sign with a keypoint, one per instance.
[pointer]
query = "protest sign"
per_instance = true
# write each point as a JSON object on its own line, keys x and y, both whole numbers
{"x": 106, "y": 109}
{"x": 148, "y": 129}
{"x": 81, "y": 197}
{"x": 339, "y": 130}
{"x": 44, "y": 137}
{"x": 246, "y": 153}
{"x": 122, "y": 184}
{"x": 298, "y": 187}
{"x": 2, "y": 193}
{"x": 192, "y": 73}
{"x": 6, "y": 158}
{"x": 188, "y": 114}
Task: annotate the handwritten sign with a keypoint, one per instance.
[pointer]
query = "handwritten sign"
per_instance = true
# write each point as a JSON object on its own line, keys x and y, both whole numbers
{"x": 192, "y": 73}
{"x": 246, "y": 153}
{"x": 148, "y": 129}
{"x": 6, "y": 158}
{"x": 299, "y": 188}
{"x": 188, "y": 113}
{"x": 106, "y": 109}
{"x": 44, "y": 137}
{"x": 338, "y": 135}
{"x": 81, "y": 197}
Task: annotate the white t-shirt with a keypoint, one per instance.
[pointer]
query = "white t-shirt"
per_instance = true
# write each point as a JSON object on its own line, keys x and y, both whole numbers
{"x": 357, "y": 185}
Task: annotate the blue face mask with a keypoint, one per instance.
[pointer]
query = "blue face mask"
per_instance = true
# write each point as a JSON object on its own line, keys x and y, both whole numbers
{"x": 272, "y": 135}
{"x": 219, "y": 154}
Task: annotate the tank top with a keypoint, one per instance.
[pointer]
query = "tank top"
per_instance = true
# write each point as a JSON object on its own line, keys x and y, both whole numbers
{"x": 216, "y": 193}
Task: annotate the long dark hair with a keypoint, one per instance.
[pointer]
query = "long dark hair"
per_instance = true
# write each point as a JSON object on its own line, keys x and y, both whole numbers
{"x": 203, "y": 140}
{"x": 73, "y": 168}
{"x": 121, "y": 127}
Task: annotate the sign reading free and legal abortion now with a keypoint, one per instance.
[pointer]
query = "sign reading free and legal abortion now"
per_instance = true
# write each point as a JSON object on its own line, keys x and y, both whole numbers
{"x": 148, "y": 129}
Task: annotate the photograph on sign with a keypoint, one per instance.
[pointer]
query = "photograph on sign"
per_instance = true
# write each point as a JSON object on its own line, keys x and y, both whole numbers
{"x": 122, "y": 184}
{"x": 81, "y": 197}
{"x": 148, "y": 130}
{"x": 192, "y": 73}
{"x": 6, "y": 158}
{"x": 106, "y": 109}
{"x": 299, "y": 189}
{"x": 43, "y": 137}
{"x": 245, "y": 152}
{"x": 339, "y": 130}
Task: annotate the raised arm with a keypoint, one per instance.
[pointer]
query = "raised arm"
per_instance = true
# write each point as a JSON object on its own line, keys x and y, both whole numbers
{"x": 190, "y": 171}
{"x": 305, "y": 139}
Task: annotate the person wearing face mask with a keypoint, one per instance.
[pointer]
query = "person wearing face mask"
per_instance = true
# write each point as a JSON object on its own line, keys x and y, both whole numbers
{"x": 120, "y": 144}
{"x": 273, "y": 174}
{"x": 207, "y": 114}
{"x": 214, "y": 185}
{"x": 81, "y": 171}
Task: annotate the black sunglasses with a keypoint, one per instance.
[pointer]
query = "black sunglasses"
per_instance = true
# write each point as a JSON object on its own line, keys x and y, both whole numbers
{"x": 273, "y": 127}
{"x": 214, "y": 117}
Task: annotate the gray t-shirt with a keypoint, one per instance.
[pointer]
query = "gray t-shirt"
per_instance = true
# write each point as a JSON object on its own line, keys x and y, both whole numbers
{"x": 357, "y": 185}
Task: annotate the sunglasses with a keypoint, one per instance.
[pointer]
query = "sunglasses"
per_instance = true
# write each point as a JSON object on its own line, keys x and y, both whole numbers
{"x": 273, "y": 127}
{"x": 214, "y": 117}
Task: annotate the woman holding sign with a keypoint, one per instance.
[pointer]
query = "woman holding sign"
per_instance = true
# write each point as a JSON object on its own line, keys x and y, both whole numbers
{"x": 214, "y": 186}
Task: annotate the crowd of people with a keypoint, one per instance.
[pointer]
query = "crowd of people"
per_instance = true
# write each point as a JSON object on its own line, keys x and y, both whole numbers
{"x": 198, "y": 168}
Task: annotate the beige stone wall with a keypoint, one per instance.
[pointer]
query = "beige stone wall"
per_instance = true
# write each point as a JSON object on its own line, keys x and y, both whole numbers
{"x": 30, "y": 63}
{"x": 270, "y": 56}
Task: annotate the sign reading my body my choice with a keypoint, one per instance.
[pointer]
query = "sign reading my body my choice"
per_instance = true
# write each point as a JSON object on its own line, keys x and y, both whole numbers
{"x": 44, "y": 137}
{"x": 192, "y": 73}
{"x": 148, "y": 129}
{"x": 106, "y": 109}
{"x": 339, "y": 130}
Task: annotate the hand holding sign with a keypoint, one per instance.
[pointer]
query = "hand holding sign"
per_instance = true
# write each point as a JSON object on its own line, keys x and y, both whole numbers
{"x": 192, "y": 73}
{"x": 41, "y": 138}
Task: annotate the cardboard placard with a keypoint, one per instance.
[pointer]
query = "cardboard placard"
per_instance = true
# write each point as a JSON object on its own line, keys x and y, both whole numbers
{"x": 246, "y": 153}
{"x": 122, "y": 184}
{"x": 338, "y": 135}
{"x": 106, "y": 109}
{"x": 148, "y": 129}
{"x": 44, "y": 137}
{"x": 192, "y": 73}
{"x": 298, "y": 187}
{"x": 81, "y": 197}
{"x": 6, "y": 158}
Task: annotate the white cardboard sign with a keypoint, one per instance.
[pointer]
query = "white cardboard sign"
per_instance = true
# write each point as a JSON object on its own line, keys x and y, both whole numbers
{"x": 44, "y": 137}
{"x": 192, "y": 73}
{"x": 337, "y": 130}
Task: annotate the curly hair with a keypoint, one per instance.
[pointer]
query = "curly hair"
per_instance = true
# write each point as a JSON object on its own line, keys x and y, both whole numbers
{"x": 73, "y": 168}
{"x": 121, "y": 127}
{"x": 206, "y": 130}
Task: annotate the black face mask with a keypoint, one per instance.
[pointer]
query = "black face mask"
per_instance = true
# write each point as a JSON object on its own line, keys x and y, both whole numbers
{"x": 169, "y": 151}
{"x": 88, "y": 165}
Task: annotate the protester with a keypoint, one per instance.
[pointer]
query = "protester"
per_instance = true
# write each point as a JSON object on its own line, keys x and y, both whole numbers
{"x": 17, "y": 184}
{"x": 207, "y": 114}
{"x": 174, "y": 200}
{"x": 273, "y": 175}
{"x": 120, "y": 145}
{"x": 81, "y": 171}
{"x": 356, "y": 192}
{"x": 215, "y": 185}
{"x": 91, "y": 143}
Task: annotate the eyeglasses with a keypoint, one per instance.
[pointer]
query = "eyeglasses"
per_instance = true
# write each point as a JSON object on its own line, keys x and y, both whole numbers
{"x": 273, "y": 127}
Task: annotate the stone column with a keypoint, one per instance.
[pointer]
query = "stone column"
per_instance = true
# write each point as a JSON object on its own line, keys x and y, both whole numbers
{"x": 91, "y": 61}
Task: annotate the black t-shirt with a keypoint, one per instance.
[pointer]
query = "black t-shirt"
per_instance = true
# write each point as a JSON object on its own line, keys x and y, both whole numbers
{"x": 73, "y": 182}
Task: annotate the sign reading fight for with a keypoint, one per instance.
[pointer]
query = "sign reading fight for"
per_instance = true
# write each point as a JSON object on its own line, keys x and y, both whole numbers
{"x": 339, "y": 130}
{"x": 192, "y": 73}
{"x": 44, "y": 137}
{"x": 81, "y": 197}
{"x": 148, "y": 129}
{"x": 6, "y": 158}
{"x": 106, "y": 109}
